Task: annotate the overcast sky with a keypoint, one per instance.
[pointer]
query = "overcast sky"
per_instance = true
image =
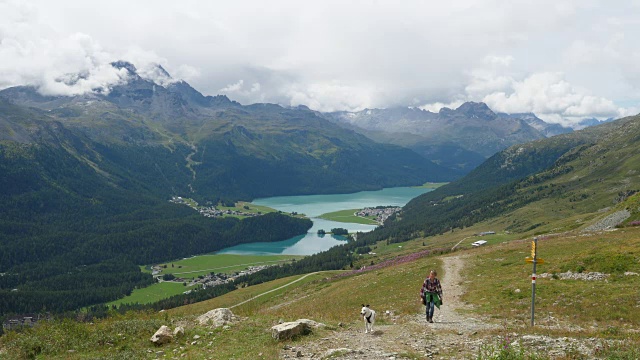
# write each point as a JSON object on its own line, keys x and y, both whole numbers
{"x": 562, "y": 60}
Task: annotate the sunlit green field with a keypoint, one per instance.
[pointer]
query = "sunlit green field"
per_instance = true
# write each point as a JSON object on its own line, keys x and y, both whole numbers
{"x": 151, "y": 294}
{"x": 431, "y": 185}
{"x": 348, "y": 217}
{"x": 193, "y": 267}
{"x": 220, "y": 263}
{"x": 246, "y": 207}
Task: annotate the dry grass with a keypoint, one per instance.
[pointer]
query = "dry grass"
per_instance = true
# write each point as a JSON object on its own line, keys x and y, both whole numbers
{"x": 503, "y": 286}
{"x": 606, "y": 310}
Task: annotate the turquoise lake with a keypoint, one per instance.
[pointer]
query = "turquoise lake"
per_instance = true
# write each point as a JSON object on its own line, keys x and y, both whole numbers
{"x": 316, "y": 205}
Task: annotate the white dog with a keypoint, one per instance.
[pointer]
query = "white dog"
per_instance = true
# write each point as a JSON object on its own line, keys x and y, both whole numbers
{"x": 369, "y": 317}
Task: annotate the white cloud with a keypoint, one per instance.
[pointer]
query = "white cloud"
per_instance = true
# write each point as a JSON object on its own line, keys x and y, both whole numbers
{"x": 187, "y": 72}
{"x": 547, "y": 94}
{"x": 233, "y": 87}
{"x": 239, "y": 92}
{"x": 58, "y": 63}
{"x": 437, "y": 106}
{"x": 330, "y": 96}
{"x": 339, "y": 55}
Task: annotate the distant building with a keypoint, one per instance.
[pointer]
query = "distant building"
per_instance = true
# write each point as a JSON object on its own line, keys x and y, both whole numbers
{"x": 487, "y": 233}
{"x": 20, "y": 321}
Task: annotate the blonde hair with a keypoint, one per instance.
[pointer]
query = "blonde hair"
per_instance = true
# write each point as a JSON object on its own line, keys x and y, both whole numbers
{"x": 435, "y": 273}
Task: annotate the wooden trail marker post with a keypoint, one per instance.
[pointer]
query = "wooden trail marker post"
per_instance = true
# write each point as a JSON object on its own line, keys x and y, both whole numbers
{"x": 534, "y": 259}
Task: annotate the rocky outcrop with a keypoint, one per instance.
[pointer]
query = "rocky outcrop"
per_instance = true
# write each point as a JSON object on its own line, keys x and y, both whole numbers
{"x": 609, "y": 222}
{"x": 162, "y": 336}
{"x": 217, "y": 317}
{"x": 585, "y": 276}
{"x": 292, "y": 329}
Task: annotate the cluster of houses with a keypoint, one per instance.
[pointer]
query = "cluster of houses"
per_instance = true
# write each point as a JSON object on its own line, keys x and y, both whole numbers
{"x": 380, "y": 213}
{"x": 21, "y": 321}
{"x": 209, "y": 211}
{"x": 211, "y": 279}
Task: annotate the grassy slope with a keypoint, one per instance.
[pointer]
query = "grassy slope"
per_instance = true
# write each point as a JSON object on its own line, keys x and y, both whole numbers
{"x": 152, "y": 293}
{"x": 332, "y": 300}
{"x": 193, "y": 267}
{"x": 500, "y": 265}
{"x": 611, "y": 305}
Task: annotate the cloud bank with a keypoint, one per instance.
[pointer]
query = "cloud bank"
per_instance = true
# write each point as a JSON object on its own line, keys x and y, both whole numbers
{"x": 561, "y": 60}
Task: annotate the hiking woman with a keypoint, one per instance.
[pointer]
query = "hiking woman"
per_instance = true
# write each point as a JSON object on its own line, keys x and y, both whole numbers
{"x": 431, "y": 294}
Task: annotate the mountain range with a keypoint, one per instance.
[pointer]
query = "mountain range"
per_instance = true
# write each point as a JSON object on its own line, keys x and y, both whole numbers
{"x": 227, "y": 149}
{"x": 85, "y": 180}
{"x": 459, "y": 139}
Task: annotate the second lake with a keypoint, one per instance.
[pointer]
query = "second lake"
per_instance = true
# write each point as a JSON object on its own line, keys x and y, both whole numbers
{"x": 316, "y": 205}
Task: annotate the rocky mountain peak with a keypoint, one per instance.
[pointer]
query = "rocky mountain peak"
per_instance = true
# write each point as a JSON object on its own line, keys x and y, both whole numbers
{"x": 121, "y": 64}
{"x": 477, "y": 109}
{"x": 162, "y": 71}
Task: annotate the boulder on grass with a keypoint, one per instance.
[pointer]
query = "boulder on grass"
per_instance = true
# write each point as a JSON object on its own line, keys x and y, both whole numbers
{"x": 292, "y": 329}
{"x": 162, "y": 336}
{"x": 217, "y": 317}
{"x": 289, "y": 330}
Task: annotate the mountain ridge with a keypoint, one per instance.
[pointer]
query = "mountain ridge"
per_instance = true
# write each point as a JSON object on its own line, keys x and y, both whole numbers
{"x": 85, "y": 182}
{"x": 470, "y": 134}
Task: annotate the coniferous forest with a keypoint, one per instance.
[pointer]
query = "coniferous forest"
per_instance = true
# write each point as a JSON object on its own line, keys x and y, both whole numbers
{"x": 69, "y": 239}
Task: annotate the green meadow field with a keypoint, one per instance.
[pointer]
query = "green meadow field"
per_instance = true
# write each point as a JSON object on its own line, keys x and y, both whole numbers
{"x": 193, "y": 267}
{"x": 152, "y": 293}
{"x": 219, "y": 263}
{"x": 348, "y": 217}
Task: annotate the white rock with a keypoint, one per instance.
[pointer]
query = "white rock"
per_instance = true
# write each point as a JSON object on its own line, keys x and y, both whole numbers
{"x": 217, "y": 317}
{"x": 290, "y": 329}
{"x": 162, "y": 336}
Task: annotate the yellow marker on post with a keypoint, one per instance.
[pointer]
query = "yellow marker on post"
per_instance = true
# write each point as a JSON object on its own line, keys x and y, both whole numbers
{"x": 533, "y": 249}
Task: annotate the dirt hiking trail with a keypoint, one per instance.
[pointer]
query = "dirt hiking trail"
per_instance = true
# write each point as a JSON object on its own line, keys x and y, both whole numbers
{"x": 455, "y": 333}
{"x": 450, "y": 336}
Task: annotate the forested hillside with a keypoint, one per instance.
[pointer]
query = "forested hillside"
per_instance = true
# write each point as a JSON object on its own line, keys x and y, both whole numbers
{"x": 85, "y": 182}
{"x": 570, "y": 175}
{"x": 581, "y": 172}
{"x": 71, "y": 237}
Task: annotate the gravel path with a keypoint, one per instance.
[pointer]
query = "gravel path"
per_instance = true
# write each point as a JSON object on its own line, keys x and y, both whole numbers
{"x": 451, "y": 335}
{"x": 449, "y": 316}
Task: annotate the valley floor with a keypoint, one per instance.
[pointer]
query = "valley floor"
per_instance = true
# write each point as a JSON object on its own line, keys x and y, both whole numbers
{"x": 453, "y": 335}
